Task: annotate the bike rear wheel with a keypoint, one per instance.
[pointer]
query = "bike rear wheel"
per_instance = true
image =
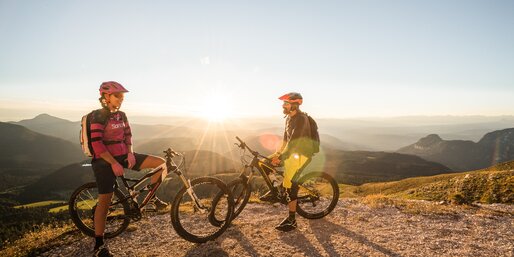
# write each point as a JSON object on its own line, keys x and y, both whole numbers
{"x": 195, "y": 221}
{"x": 82, "y": 207}
{"x": 318, "y": 194}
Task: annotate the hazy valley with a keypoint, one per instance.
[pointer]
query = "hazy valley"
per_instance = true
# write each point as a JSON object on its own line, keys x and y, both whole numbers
{"x": 41, "y": 159}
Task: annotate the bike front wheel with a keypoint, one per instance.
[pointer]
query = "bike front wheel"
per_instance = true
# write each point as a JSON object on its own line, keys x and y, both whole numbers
{"x": 241, "y": 191}
{"x": 82, "y": 206}
{"x": 318, "y": 194}
{"x": 194, "y": 216}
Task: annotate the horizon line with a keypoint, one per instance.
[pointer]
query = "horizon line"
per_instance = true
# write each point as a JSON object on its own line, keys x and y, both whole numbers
{"x": 260, "y": 117}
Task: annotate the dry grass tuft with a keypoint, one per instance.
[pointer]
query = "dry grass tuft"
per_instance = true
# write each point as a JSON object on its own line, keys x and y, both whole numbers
{"x": 378, "y": 201}
{"x": 36, "y": 242}
{"x": 426, "y": 208}
{"x": 416, "y": 207}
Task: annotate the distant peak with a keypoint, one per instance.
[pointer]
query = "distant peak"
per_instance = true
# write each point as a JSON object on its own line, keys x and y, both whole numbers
{"x": 43, "y": 118}
{"x": 47, "y": 117}
{"x": 430, "y": 139}
{"x": 434, "y": 136}
{"x": 504, "y": 134}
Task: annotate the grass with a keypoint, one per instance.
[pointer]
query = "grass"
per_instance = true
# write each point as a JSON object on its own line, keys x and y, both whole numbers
{"x": 81, "y": 205}
{"x": 377, "y": 201}
{"x": 485, "y": 186}
{"x": 492, "y": 185}
{"x": 347, "y": 191}
{"x": 407, "y": 206}
{"x": 58, "y": 209}
{"x": 39, "y": 204}
{"x": 34, "y": 243}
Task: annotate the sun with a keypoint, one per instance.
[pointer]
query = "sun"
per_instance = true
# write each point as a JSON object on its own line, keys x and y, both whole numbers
{"x": 217, "y": 108}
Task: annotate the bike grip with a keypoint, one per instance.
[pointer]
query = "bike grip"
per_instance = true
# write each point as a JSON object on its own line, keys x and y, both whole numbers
{"x": 239, "y": 139}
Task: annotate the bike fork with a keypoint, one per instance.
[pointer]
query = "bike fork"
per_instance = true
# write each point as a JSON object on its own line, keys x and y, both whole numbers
{"x": 191, "y": 193}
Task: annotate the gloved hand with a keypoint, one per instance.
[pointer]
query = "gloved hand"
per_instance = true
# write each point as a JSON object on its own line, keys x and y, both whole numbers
{"x": 131, "y": 160}
{"x": 117, "y": 169}
{"x": 275, "y": 161}
{"x": 274, "y": 158}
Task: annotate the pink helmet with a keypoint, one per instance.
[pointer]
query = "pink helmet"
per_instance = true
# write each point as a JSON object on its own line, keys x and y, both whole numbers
{"x": 111, "y": 87}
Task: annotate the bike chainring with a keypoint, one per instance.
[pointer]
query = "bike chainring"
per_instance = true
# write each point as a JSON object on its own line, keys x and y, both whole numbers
{"x": 134, "y": 213}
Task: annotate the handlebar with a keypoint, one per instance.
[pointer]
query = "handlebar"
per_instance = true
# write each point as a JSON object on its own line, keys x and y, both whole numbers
{"x": 171, "y": 153}
{"x": 240, "y": 141}
{"x": 243, "y": 145}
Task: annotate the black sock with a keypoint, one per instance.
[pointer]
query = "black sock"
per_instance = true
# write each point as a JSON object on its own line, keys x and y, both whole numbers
{"x": 99, "y": 241}
{"x": 291, "y": 215}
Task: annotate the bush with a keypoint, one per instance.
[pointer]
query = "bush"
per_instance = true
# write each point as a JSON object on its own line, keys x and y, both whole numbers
{"x": 459, "y": 199}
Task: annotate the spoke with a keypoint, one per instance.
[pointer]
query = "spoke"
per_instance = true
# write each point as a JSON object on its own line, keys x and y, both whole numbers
{"x": 91, "y": 196}
{"x": 85, "y": 202}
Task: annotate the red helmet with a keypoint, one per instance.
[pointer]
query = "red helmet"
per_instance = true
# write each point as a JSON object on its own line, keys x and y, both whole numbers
{"x": 111, "y": 87}
{"x": 292, "y": 97}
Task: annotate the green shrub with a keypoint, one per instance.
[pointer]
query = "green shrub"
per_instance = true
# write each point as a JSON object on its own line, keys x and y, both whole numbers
{"x": 459, "y": 199}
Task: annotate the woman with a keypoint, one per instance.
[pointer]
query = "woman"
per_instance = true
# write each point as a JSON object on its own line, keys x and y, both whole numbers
{"x": 111, "y": 140}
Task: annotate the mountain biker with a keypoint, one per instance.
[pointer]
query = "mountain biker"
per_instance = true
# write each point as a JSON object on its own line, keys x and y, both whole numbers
{"x": 295, "y": 153}
{"x": 111, "y": 140}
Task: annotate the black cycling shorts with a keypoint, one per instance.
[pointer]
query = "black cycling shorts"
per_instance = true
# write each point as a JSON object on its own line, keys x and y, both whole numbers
{"x": 105, "y": 178}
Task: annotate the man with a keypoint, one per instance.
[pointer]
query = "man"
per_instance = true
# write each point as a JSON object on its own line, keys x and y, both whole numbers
{"x": 296, "y": 152}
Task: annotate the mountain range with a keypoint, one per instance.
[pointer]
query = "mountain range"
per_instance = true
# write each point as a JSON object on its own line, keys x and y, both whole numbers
{"x": 24, "y": 148}
{"x": 463, "y": 155}
{"x": 358, "y": 167}
{"x": 58, "y": 184}
{"x": 210, "y": 152}
{"x": 52, "y": 126}
{"x": 369, "y": 134}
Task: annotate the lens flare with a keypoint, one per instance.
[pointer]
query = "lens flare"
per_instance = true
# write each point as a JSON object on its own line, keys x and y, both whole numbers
{"x": 270, "y": 142}
{"x": 318, "y": 163}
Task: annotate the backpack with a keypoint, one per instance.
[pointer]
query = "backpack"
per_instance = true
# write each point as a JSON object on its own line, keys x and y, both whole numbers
{"x": 85, "y": 132}
{"x": 314, "y": 134}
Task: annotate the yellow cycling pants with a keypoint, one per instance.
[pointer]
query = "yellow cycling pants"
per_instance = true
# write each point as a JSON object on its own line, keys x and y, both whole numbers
{"x": 291, "y": 166}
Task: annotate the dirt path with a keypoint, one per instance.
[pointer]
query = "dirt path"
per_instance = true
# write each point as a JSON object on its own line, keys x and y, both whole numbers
{"x": 353, "y": 229}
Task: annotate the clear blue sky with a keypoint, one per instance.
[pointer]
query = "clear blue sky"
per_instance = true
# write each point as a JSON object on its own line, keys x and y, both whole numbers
{"x": 348, "y": 58}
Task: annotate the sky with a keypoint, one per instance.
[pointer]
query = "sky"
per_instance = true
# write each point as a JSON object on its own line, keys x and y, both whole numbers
{"x": 235, "y": 58}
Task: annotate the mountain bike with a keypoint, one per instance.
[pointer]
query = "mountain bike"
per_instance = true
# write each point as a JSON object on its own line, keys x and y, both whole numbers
{"x": 318, "y": 192}
{"x": 192, "y": 211}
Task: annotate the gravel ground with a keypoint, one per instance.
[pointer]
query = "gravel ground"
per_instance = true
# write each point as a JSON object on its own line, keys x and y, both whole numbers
{"x": 353, "y": 229}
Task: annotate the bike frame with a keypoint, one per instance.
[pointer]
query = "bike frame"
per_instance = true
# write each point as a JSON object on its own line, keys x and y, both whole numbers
{"x": 133, "y": 193}
{"x": 258, "y": 164}
{"x": 171, "y": 166}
